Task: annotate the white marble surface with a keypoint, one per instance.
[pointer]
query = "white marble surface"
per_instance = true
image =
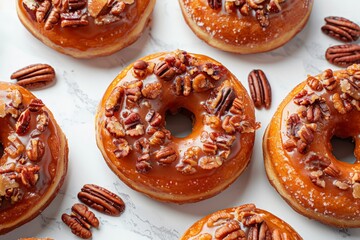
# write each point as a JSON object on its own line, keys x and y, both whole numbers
{"x": 81, "y": 84}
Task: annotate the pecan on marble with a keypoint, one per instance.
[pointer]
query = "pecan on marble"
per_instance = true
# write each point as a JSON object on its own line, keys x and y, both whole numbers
{"x": 140, "y": 68}
{"x": 223, "y": 99}
{"x": 42, "y": 121}
{"x": 166, "y": 155}
{"x": 230, "y": 228}
{"x": 85, "y": 216}
{"x": 152, "y": 90}
{"x": 43, "y": 10}
{"x": 343, "y": 55}
{"x": 210, "y": 162}
{"x": 341, "y": 28}
{"x": 114, "y": 127}
{"x": 112, "y": 104}
{"x": 182, "y": 85}
{"x": 215, "y": 4}
{"x": 76, "y": 226}
{"x": 201, "y": 83}
{"x": 36, "y": 105}
{"x": 164, "y": 71}
{"x": 260, "y": 89}
{"x": 35, "y": 149}
{"x": 101, "y": 199}
{"x": 122, "y": 147}
{"x": 23, "y": 122}
{"x": 74, "y": 19}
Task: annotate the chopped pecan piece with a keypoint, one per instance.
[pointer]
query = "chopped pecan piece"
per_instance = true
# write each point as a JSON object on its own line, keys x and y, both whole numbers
{"x": 209, "y": 148}
{"x": 143, "y": 165}
{"x": 132, "y": 120}
{"x": 356, "y": 190}
{"x": 164, "y": 70}
{"x": 43, "y": 10}
{"x": 15, "y": 148}
{"x": 343, "y": 55}
{"x": 341, "y": 28}
{"x": 36, "y": 105}
{"x": 215, "y": 4}
{"x": 341, "y": 185}
{"x": 189, "y": 162}
{"x": 23, "y": 122}
{"x": 341, "y": 104}
{"x": 140, "y": 68}
{"x": 114, "y": 127}
{"x": 101, "y": 199}
{"x": 210, "y": 162}
{"x": 154, "y": 118}
{"x": 16, "y": 98}
{"x": 152, "y": 90}
{"x": 112, "y": 104}
{"x": 223, "y": 99}
{"x": 237, "y": 106}
{"x": 74, "y": 19}
{"x": 166, "y": 155}
{"x": 201, "y": 83}
{"x": 182, "y": 85}
{"x": 77, "y": 4}
{"x": 213, "y": 121}
{"x": 122, "y": 147}
{"x": 328, "y": 80}
{"x": 28, "y": 175}
{"x": 35, "y": 149}
{"x": 42, "y": 121}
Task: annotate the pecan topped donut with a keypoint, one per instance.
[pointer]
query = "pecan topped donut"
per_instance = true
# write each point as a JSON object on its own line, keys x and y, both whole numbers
{"x": 298, "y": 154}
{"x": 244, "y": 222}
{"x": 85, "y": 28}
{"x": 33, "y": 156}
{"x": 132, "y": 134}
{"x": 246, "y": 26}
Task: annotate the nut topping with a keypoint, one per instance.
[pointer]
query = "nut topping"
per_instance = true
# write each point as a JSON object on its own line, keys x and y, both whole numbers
{"x": 215, "y": 4}
{"x": 259, "y": 88}
{"x": 210, "y": 162}
{"x": 22, "y": 124}
{"x": 101, "y": 199}
{"x": 152, "y": 90}
{"x": 341, "y": 28}
{"x": 76, "y": 226}
{"x": 166, "y": 155}
{"x": 223, "y": 99}
{"x": 164, "y": 71}
{"x": 35, "y": 149}
{"x": 113, "y": 102}
{"x": 343, "y": 55}
{"x": 35, "y": 105}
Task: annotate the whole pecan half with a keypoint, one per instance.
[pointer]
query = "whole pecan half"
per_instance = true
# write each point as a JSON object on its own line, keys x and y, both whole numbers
{"x": 343, "y": 55}
{"x": 34, "y": 76}
{"x": 101, "y": 199}
{"x": 341, "y": 28}
{"x": 260, "y": 89}
{"x": 23, "y": 122}
{"x": 76, "y": 227}
{"x": 223, "y": 99}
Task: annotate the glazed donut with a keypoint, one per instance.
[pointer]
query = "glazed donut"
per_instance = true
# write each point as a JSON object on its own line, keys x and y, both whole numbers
{"x": 298, "y": 154}
{"x": 243, "y": 222}
{"x": 246, "y": 26}
{"x": 85, "y": 29}
{"x": 132, "y": 136}
{"x": 34, "y": 155}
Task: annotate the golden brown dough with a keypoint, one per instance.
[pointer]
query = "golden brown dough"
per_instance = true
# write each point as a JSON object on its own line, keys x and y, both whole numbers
{"x": 243, "y": 222}
{"x": 132, "y": 135}
{"x": 33, "y": 156}
{"x": 86, "y": 28}
{"x": 298, "y": 153}
{"x": 246, "y": 26}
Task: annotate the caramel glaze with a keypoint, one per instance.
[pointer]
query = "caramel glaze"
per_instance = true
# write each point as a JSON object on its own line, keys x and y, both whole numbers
{"x": 92, "y": 40}
{"x": 233, "y": 32}
{"x": 335, "y": 200}
{"x": 52, "y": 164}
{"x": 165, "y": 182}
{"x": 209, "y": 226}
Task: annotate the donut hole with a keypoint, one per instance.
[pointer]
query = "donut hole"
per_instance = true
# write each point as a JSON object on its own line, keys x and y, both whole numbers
{"x": 343, "y": 149}
{"x": 179, "y": 122}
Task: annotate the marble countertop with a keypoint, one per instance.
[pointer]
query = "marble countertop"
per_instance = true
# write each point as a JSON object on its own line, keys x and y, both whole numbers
{"x": 81, "y": 83}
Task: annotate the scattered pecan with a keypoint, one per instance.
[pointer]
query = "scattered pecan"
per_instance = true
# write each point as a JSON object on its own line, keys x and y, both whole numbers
{"x": 122, "y": 147}
{"x": 23, "y": 122}
{"x": 140, "y": 68}
{"x": 166, "y": 155}
{"x": 36, "y": 105}
{"x": 215, "y": 4}
{"x": 85, "y": 215}
{"x": 164, "y": 71}
{"x": 259, "y": 88}
{"x": 343, "y": 55}
{"x": 182, "y": 85}
{"x": 101, "y": 199}
{"x": 210, "y": 162}
{"x": 35, "y": 149}
{"x": 112, "y": 104}
{"x": 76, "y": 226}
{"x": 341, "y": 185}
{"x": 152, "y": 90}
{"x": 332, "y": 170}
{"x": 223, "y": 99}
{"x": 341, "y": 28}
